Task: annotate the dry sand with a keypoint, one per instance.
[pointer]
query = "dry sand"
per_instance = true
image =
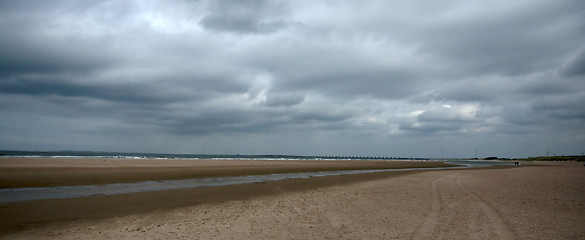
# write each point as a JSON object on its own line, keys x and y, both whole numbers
{"x": 540, "y": 201}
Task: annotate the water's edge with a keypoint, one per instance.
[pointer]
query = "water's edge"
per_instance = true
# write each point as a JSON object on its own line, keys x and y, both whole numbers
{"x": 27, "y": 194}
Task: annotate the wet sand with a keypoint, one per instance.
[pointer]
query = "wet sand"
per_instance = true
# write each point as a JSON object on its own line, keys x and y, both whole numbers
{"x": 538, "y": 201}
{"x": 48, "y": 172}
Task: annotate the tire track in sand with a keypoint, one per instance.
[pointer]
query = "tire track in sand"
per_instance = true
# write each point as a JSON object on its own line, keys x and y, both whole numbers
{"x": 426, "y": 230}
{"x": 496, "y": 221}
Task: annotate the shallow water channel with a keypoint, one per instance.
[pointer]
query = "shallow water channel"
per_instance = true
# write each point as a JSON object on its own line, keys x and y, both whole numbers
{"x": 26, "y": 194}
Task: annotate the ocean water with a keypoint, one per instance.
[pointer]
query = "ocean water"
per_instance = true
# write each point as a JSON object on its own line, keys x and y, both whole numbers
{"x": 26, "y": 194}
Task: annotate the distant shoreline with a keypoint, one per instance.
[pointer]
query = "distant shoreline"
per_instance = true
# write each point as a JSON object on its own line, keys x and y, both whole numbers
{"x": 98, "y": 154}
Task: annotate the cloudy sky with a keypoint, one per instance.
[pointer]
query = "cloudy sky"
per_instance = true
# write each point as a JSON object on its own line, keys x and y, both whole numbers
{"x": 374, "y": 77}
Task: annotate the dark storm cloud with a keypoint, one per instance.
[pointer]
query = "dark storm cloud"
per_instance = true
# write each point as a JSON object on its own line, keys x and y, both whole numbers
{"x": 139, "y": 92}
{"x": 23, "y": 49}
{"x": 123, "y": 92}
{"x": 235, "y": 121}
{"x": 344, "y": 76}
{"x": 42, "y": 37}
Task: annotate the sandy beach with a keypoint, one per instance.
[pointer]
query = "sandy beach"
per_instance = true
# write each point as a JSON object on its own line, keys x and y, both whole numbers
{"x": 540, "y": 200}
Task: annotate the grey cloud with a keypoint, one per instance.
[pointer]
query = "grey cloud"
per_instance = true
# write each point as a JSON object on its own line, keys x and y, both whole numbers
{"x": 382, "y": 84}
{"x": 123, "y": 92}
{"x": 548, "y": 86}
{"x": 24, "y": 51}
{"x": 506, "y": 42}
{"x": 451, "y": 119}
{"x": 235, "y": 121}
{"x": 431, "y": 127}
{"x": 243, "y": 24}
{"x": 207, "y": 122}
{"x": 468, "y": 90}
{"x": 249, "y": 16}
{"x": 445, "y": 116}
{"x": 462, "y": 94}
{"x": 324, "y": 116}
{"x": 563, "y": 107}
{"x": 576, "y": 66}
{"x": 147, "y": 92}
{"x": 284, "y": 99}
{"x": 342, "y": 79}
